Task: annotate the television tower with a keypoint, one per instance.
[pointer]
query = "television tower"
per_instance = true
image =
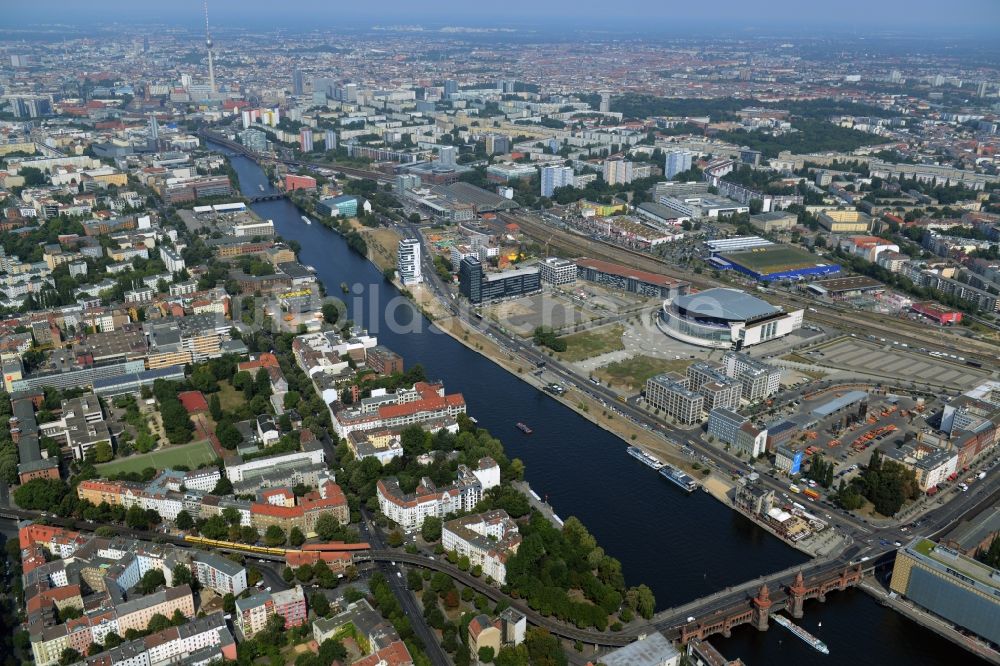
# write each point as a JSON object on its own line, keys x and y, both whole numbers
{"x": 208, "y": 44}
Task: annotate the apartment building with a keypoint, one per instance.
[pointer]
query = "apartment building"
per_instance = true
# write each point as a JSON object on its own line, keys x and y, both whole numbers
{"x": 759, "y": 380}
{"x": 487, "y": 539}
{"x": 409, "y": 510}
{"x": 669, "y": 392}
{"x": 253, "y": 612}
{"x": 219, "y": 573}
{"x": 424, "y": 402}
{"x": 408, "y": 263}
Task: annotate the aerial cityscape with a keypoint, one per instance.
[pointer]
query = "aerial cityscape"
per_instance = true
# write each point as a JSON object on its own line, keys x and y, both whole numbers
{"x": 563, "y": 335}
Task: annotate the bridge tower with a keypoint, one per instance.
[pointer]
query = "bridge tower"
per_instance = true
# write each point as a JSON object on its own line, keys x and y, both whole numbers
{"x": 761, "y": 608}
{"x": 797, "y": 596}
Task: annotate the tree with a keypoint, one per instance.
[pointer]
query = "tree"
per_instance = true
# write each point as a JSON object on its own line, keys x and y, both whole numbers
{"x": 103, "y": 452}
{"x": 181, "y": 575}
{"x": 287, "y": 574}
{"x": 642, "y": 601}
{"x": 274, "y": 536}
{"x": 292, "y": 400}
{"x": 395, "y": 539}
{"x": 332, "y": 650}
{"x": 112, "y": 640}
{"x": 136, "y": 518}
{"x": 485, "y": 654}
{"x": 229, "y": 437}
{"x": 431, "y": 529}
{"x": 231, "y": 515}
{"x": 296, "y": 538}
{"x": 151, "y": 580}
{"x": 262, "y": 384}
{"x": 69, "y": 655}
{"x": 33, "y": 177}
{"x": 224, "y": 486}
{"x": 249, "y": 534}
{"x": 177, "y": 619}
{"x": 229, "y": 603}
{"x": 320, "y": 604}
{"x": 202, "y": 379}
{"x": 184, "y": 521}
{"x": 69, "y": 613}
{"x": 215, "y": 407}
{"x": 40, "y": 494}
{"x": 158, "y": 622}
{"x": 327, "y": 526}
{"x": 304, "y": 573}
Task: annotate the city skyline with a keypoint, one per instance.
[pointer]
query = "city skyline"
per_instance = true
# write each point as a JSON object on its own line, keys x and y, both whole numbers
{"x": 643, "y": 17}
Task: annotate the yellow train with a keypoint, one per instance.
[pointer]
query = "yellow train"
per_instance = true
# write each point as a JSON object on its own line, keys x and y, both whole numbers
{"x": 232, "y": 545}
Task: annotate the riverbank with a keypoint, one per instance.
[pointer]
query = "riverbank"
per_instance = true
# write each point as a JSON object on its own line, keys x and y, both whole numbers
{"x": 382, "y": 243}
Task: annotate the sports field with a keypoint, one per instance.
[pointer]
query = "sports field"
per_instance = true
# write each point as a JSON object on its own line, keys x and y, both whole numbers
{"x": 773, "y": 259}
{"x": 192, "y": 455}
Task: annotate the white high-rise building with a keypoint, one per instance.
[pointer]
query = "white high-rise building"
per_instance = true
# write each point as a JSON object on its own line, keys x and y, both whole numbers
{"x": 446, "y": 156}
{"x": 618, "y": 172}
{"x": 408, "y": 261}
{"x": 676, "y": 162}
{"x": 554, "y": 177}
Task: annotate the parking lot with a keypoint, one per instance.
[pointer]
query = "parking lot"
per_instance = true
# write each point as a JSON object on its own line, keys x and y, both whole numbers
{"x": 884, "y": 359}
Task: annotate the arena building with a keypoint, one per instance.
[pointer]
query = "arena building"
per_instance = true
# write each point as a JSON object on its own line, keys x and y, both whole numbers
{"x": 725, "y": 319}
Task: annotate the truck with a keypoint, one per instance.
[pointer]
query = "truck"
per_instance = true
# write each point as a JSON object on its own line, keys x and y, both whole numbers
{"x": 811, "y": 494}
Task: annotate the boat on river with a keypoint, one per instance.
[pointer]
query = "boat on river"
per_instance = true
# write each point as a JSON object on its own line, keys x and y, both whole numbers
{"x": 644, "y": 457}
{"x": 524, "y": 428}
{"x": 678, "y": 478}
{"x": 801, "y": 633}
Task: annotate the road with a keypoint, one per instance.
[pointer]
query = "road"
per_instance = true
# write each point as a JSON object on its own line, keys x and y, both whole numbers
{"x": 387, "y": 564}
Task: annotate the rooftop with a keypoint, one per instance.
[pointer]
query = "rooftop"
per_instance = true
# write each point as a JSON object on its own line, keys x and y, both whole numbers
{"x": 837, "y": 404}
{"x": 653, "y": 650}
{"x": 625, "y": 271}
{"x": 728, "y": 304}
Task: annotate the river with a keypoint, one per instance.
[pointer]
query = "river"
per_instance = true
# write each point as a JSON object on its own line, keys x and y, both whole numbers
{"x": 682, "y": 546}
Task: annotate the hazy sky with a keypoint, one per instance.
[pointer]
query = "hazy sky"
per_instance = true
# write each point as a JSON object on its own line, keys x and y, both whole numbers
{"x": 668, "y": 15}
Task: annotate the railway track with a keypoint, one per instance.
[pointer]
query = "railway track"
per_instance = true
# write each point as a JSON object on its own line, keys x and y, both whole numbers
{"x": 861, "y": 323}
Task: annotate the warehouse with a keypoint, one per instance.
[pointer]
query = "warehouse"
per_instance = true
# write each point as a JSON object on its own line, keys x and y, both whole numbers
{"x": 845, "y": 287}
{"x": 629, "y": 279}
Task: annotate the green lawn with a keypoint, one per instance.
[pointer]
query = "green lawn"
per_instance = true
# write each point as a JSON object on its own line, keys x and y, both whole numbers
{"x": 593, "y": 343}
{"x": 192, "y": 455}
{"x": 229, "y": 398}
{"x": 634, "y": 372}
